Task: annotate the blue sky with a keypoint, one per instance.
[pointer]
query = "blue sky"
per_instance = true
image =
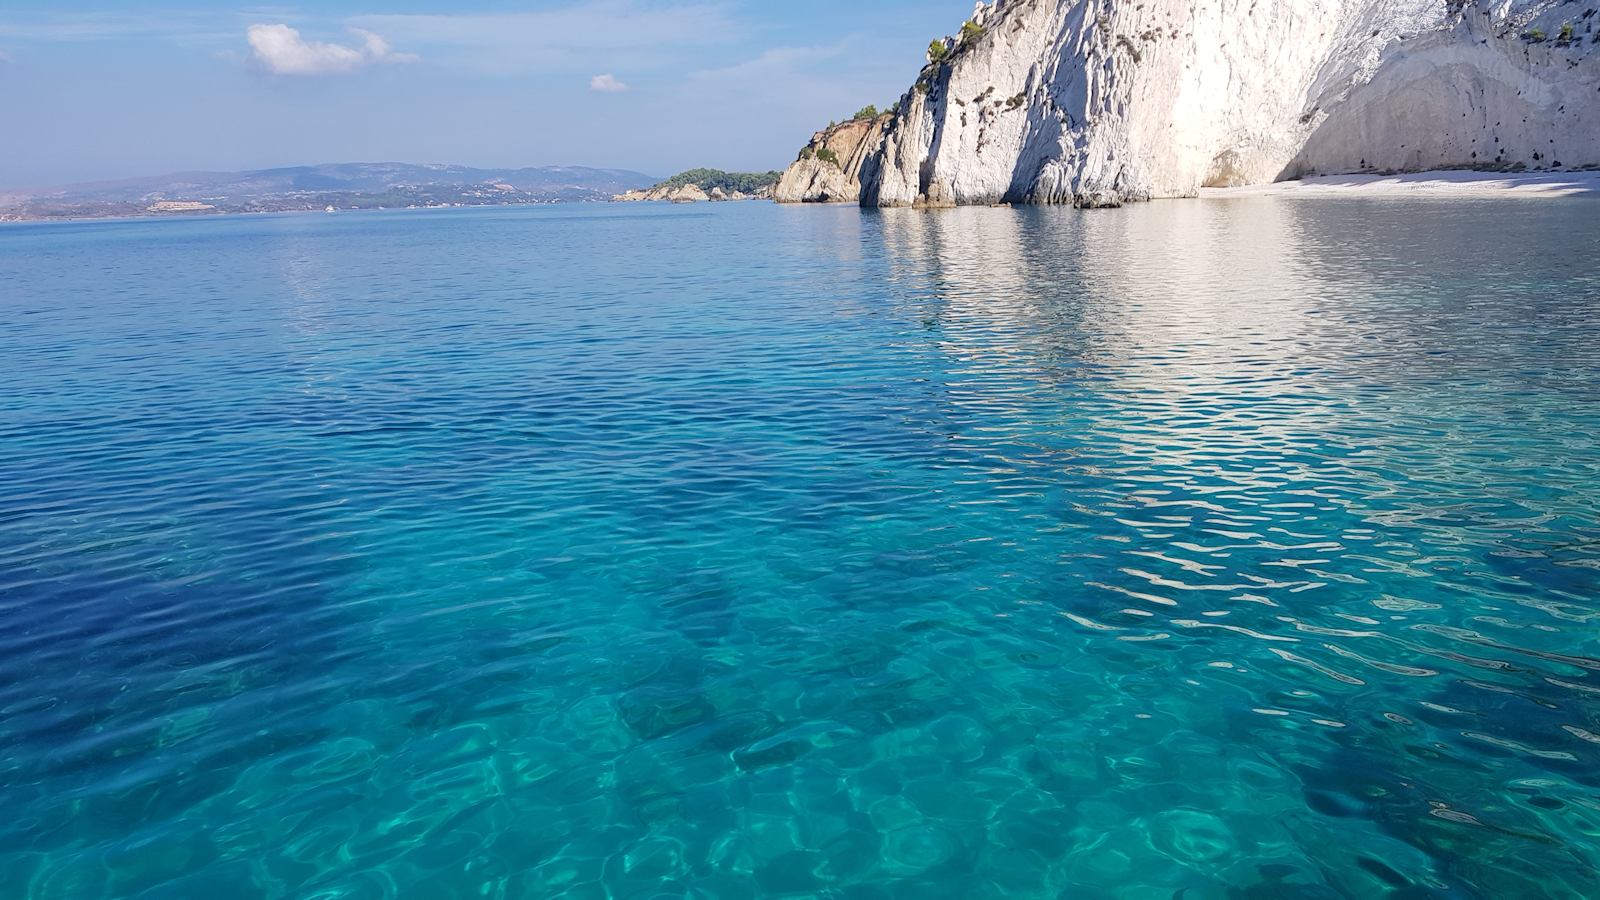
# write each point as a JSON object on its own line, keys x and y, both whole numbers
{"x": 104, "y": 90}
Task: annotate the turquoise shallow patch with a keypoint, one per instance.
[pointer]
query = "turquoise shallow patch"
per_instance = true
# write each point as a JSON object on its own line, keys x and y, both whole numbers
{"x": 1202, "y": 550}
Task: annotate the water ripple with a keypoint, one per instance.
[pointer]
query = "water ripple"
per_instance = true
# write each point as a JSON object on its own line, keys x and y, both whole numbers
{"x": 1213, "y": 549}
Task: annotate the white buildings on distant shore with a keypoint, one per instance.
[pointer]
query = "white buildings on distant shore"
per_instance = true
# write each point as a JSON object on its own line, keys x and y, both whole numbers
{"x": 179, "y": 206}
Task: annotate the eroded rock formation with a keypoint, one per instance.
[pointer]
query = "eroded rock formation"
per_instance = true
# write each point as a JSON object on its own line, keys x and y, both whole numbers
{"x": 829, "y": 168}
{"x": 1097, "y": 103}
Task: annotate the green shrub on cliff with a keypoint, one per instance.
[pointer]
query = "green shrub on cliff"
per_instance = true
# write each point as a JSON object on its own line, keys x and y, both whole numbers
{"x": 937, "y": 51}
{"x": 867, "y": 112}
{"x": 706, "y": 179}
{"x": 828, "y": 156}
{"x": 970, "y": 31}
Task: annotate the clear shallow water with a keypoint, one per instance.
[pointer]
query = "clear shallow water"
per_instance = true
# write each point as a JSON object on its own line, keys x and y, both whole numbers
{"x": 1193, "y": 550}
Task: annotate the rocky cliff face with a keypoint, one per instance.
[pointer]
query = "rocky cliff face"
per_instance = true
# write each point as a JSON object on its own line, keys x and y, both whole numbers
{"x": 829, "y": 168}
{"x": 1096, "y": 102}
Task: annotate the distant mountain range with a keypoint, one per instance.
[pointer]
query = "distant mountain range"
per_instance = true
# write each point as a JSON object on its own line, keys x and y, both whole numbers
{"x": 342, "y": 186}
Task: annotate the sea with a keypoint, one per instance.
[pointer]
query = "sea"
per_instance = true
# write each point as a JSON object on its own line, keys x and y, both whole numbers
{"x": 1198, "y": 550}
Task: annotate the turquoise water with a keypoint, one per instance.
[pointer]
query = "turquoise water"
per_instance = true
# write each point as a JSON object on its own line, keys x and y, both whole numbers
{"x": 1190, "y": 551}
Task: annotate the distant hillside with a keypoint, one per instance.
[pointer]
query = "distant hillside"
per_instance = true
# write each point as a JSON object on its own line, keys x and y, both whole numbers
{"x": 343, "y": 186}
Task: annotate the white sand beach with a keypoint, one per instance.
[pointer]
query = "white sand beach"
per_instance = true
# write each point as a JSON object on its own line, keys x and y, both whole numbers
{"x": 1423, "y": 184}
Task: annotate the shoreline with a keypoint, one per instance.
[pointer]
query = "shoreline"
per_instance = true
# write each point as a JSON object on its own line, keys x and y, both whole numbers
{"x": 1445, "y": 184}
{"x": 8, "y": 217}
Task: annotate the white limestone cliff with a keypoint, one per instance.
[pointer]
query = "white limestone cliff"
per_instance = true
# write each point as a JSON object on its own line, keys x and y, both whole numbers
{"x": 1099, "y": 102}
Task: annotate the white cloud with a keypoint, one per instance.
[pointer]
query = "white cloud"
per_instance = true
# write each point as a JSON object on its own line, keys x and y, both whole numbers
{"x": 794, "y": 77}
{"x": 282, "y": 51}
{"x": 780, "y": 62}
{"x": 637, "y": 34}
{"x": 606, "y": 82}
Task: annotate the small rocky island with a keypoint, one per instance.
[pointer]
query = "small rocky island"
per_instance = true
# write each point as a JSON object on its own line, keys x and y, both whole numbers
{"x": 707, "y": 185}
{"x": 1095, "y": 103}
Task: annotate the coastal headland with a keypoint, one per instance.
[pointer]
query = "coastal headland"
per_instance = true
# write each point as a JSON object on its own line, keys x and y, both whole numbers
{"x": 707, "y": 185}
{"x": 1094, "y": 104}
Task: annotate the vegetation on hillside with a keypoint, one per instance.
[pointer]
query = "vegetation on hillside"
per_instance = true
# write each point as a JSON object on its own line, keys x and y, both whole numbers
{"x": 706, "y": 179}
{"x": 939, "y": 51}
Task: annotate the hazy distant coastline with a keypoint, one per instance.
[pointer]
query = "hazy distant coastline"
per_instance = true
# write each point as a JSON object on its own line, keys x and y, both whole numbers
{"x": 304, "y": 188}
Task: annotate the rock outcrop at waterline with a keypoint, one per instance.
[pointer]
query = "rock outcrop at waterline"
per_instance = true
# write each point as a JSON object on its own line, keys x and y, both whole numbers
{"x": 693, "y": 193}
{"x": 1097, "y": 103}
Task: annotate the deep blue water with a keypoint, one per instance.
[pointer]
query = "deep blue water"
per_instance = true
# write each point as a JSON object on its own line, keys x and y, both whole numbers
{"x": 1222, "y": 550}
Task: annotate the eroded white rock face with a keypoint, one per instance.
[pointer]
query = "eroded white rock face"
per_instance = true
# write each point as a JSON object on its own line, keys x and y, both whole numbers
{"x": 1477, "y": 90}
{"x": 1097, "y": 102}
